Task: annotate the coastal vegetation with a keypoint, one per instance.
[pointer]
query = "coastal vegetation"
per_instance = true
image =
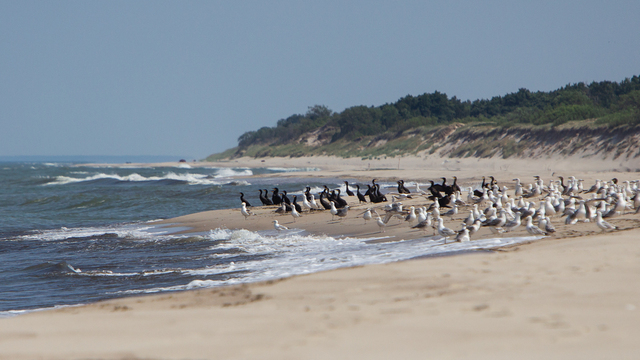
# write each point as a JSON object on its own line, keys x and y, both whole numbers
{"x": 433, "y": 122}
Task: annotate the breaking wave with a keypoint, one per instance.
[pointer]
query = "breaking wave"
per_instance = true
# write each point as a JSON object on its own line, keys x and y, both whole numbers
{"x": 221, "y": 178}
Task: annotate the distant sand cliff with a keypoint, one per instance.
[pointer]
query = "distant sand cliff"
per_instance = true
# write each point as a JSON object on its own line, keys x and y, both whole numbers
{"x": 593, "y": 146}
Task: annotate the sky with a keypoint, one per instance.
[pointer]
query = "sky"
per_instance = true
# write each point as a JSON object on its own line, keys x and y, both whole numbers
{"x": 187, "y": 78}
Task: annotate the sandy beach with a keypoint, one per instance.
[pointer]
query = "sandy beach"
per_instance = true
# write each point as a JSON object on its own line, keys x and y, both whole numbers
{"x": 571, "y": 295}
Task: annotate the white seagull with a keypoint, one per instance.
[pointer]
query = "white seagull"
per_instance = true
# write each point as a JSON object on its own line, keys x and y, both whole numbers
{"x": 381, "y": 224}
{"x": 463, "y": 235}
{"x": 424, "y": 224}
{"x": 313, "y": 203}
{"x": 512, "y": 225}
{"x": 306, "y": 205}
{"x": 411, "y": 217}
{"x": 545, "y": 224}
{"x": 604, "y": 225}
{"x": 532, "y": 229}
{"x": 278, "y": 226}
{"x": 444, "y": 231}
{"x": 294, "y": 213}
{"x": 244, "y": 211}
{"x": 367, "y": 215}
{"x": 333, "y": 210}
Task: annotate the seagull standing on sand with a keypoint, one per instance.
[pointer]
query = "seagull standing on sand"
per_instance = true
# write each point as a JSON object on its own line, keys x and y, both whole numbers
{"x": 463, "y": 235}
{"x": 473, "y": 228}
{"x": 424, "y": 224}
{"x": 549, "y": 228}
{"x": 470, "y": 219}
{"x": 314, "y": 203}
{"x": 498, "y": 221}
{"x": 381, "y": 224}
{"x": 411, "y": 217}
{"x": 294, "y": 213}
{"x": 452, "y": 212}
{"x": 422, "y": 214}
{"x": 545, "y": 224}
{"x": 306, "y": 205}
{"x": 245, "y": 212}
{"x": 444, "y": 231}
{"x": 278, "y": 226}
{"x": 334, "y": 211}
{"x": 282, "y": 209}
{"x": 514, "y": 224}
{"x": 476, "y": 212}
{"x": 602, "y": 224}
{"x": 532, "y": 229}
{"x": 594, "y": 188}
{"x": 549, "y": 209}
{"x": 343, "y": 212}
{"x": 436, "y": 211}
{"x": 367, "y": 215}
{"x": 619, "y": 208}
{"x": 579, "y": 214}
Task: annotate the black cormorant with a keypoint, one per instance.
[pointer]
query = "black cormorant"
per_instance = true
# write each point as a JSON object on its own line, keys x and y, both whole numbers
{"x": 242, "y": 200}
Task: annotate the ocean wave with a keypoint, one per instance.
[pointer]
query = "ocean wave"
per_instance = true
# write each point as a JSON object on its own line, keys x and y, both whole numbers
{"x": 109, "y": 273}
{"x": 230, "y": 172}
{"x": 51, "y": 268}
{"x": 141, "y": 232}
{"x": 188, "y": 178}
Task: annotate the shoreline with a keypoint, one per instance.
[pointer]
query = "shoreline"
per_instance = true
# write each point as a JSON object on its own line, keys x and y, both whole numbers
{"x": 426, "y": 162}
{"x": 564, "y": 296}
{"x": 551, "y": 299}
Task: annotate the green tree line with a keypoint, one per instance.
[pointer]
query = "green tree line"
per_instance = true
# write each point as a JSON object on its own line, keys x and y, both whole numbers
{"x": 610, "y": 102}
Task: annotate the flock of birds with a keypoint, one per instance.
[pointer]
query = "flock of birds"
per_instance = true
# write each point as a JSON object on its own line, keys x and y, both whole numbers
{"x": 490, "y": 205}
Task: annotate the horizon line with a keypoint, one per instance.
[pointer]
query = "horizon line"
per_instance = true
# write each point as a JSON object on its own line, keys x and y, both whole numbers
{"x": 96, "y": 158}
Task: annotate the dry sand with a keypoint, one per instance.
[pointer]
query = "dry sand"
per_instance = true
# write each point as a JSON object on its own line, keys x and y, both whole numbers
{"x": 574, "y": 295}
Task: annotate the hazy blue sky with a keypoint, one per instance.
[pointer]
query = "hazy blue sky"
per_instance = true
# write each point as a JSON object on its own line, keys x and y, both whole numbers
{"x": 188, "y": 77}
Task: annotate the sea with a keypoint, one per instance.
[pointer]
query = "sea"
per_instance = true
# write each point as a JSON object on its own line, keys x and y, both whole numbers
{"x": 73, "y": 233}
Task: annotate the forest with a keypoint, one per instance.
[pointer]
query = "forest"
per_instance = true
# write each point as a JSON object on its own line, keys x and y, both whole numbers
{"x": 611, "y": 103}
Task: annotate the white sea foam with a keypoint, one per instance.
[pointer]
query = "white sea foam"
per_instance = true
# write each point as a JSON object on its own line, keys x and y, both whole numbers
{"x": 229, "y": 172}
{"x": 12, "y": 313}
{"x": 108, "y": 273}
{"x": 294, "y": 253}
{"x": 267, "y": 255}
{"x": 314, "y": 190}
{"x": 128, "y": 231}
{"x": 222, "y": 176}
{"x": 189, "y": 178}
